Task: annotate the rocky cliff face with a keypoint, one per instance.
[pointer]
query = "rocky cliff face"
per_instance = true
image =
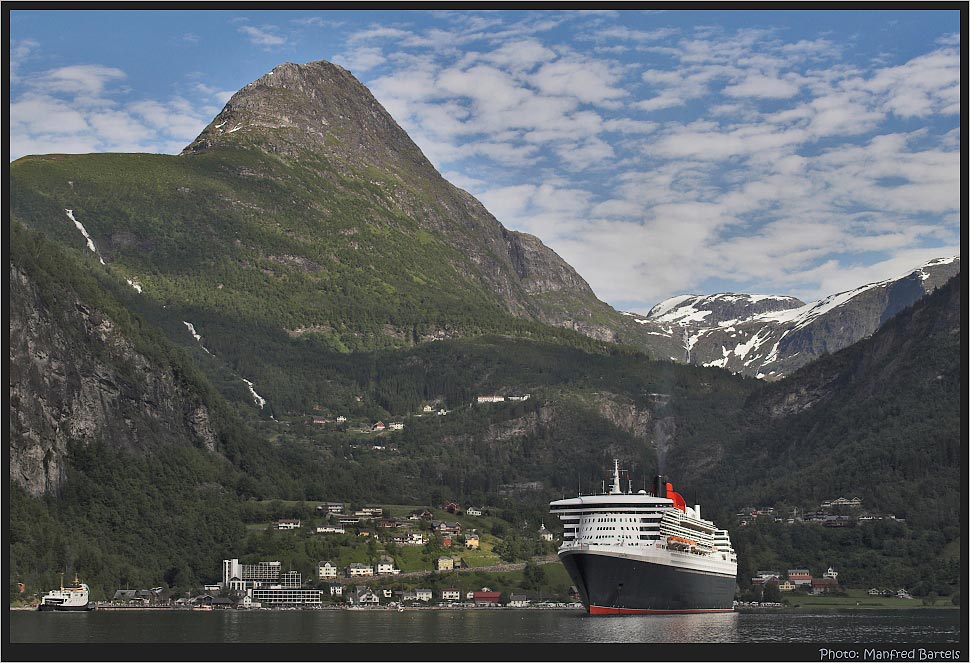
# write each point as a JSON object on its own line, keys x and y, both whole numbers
{"x": 877, "y": 364}
{"x": 75, "y": 379}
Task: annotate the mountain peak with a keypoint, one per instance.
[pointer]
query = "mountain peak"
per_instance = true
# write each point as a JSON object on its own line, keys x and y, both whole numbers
{"x": 315, "y": 108}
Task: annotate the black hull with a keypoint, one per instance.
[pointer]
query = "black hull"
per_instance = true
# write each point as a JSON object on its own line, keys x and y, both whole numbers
{"x": 617, "y": 585}
{"x": 50, "y": 607}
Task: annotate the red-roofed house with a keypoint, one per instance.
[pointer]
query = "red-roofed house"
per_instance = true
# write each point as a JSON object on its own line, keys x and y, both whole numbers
{"x": 486, "y": 598}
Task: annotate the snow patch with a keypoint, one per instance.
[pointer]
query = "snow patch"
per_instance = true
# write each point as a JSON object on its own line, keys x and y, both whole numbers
{"x": 722, "y": 362}
{"x": 236, "y": 129}
{"x": 70, "y": 215}
{"x": 220, "y": 126}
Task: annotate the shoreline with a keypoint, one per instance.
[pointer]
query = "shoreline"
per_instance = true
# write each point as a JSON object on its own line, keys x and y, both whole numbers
{"x": 815, "y": 609}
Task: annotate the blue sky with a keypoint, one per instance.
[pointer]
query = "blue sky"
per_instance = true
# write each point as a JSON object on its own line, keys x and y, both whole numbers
{"x": 797, "y": 152}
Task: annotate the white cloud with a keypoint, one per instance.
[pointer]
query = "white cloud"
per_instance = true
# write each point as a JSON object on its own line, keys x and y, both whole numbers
{"x": 360, "y": 59}
{"x": 83, "y": 80}
{"x": 768, "y": 87}
{"x": 265, "y": 37}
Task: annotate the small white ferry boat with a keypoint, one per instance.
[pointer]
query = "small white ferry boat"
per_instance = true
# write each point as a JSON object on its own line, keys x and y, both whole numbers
{"x": 74, "y": 597}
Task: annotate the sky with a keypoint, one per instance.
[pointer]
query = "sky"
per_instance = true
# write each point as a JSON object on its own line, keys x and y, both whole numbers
{"x": 682, "y": 151}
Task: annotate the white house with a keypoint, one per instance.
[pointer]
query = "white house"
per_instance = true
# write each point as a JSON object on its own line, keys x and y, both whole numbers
{"x": 416, "y": 539}
{"x": 331, "y": 530}
{"x": 491, "y": 399}
{"x": 450, "y": 594}
{"x": 474, "y": 511}
{"x": 287, "y": 523}
{"x": 385, "y": 567}
{"x": 326, "y": 569}
{"x": 423, "y": 594}
{"x": 358, "y": 569}
{"x": 396, "y": 425}
{"x": 336, "y": 590}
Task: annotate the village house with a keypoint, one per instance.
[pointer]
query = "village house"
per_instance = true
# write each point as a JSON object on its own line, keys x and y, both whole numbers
{"x": 423, "y": 594}
{"x": 420, "y": 514}
{"x": 444, "y": 564}
{"x": 396, "y": 425}
{"x": 544, "y": 534}
{"x": 822, "y": 585}
{"x": 385, "y": 566}
{"x": 764, "y": 576}
{"x": 451, "y": 507}
{"x": 520, "y": 398}
{"x": 364, "y": 596}
{"x": 475, "y": 511}
{"x": 387, "y": 593}
{"x": 491, "y": 399}
{"x": 379, "y": 426}
{"x": 336, "y": 590}
{"x": 372, "y": 511}
{"x": 831, "y": 573}
{"x": 853, "y": 503}
{"x": 320, "y": 420}
{"x": 415, "y": 539}
{"x": 357, "y": 569}
{"x": 445, "y": 527}
{"x": 486, "y": 598}
{"x": 471, "y": 541}
{"x": 450, "y": 594}
{"x": 800, "y": 576}
{"x": 331, "y": 530}
{"x": 786, "y": 586}
{"x": 288, "y": 523}
{"x": 326, "y": 570}
{"x": 427, "y": 409}
{"x": 519, "y": 601}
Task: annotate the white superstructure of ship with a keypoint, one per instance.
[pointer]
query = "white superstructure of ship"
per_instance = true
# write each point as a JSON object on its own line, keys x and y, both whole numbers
{"x": 73, "y": 597}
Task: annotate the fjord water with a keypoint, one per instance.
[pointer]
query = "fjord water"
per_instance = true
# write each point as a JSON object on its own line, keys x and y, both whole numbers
{"x": 484, "y": 626}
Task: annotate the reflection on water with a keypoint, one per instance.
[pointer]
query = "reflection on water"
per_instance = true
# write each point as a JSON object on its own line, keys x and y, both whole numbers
{"x": 485, "y": 626}
{"x": 715, "y": 627}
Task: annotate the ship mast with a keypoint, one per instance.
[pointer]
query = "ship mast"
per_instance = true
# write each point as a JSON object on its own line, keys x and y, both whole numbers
{"x": 616, "y": 478}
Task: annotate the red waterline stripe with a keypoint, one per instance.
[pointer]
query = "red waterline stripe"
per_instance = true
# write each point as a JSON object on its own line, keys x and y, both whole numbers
{"x": 600, "y": 610}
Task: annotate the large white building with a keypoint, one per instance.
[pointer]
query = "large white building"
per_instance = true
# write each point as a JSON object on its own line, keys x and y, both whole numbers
{"x": 286, "y": 596}
{"x": 246, "y": 576}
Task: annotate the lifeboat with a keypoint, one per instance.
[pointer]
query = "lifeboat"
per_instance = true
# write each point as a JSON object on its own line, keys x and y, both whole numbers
{"x": 680, "y": 542}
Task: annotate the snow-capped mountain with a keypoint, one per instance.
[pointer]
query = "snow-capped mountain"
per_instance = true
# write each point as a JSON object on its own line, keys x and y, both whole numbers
{"x": 769, "y": 336}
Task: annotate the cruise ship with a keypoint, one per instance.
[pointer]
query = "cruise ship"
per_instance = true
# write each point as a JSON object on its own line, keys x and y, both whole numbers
{"x": 645, "y": 553}
{"x": 70, "y": 598}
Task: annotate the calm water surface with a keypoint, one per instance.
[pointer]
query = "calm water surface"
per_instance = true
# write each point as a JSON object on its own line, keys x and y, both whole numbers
{"x": 484, "y": 626}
